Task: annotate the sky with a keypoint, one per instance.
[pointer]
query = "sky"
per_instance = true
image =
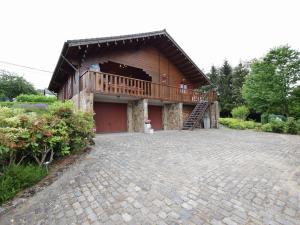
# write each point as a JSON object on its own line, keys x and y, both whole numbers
{"x": 32, "y": 32}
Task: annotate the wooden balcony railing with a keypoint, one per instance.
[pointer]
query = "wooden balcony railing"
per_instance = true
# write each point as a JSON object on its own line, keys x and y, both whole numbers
{"x": 111, "y": 84}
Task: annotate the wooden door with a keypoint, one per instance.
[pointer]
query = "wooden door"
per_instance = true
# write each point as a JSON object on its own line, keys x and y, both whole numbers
{"x": 155, "y": 115}
{"x": 110, "y": 117}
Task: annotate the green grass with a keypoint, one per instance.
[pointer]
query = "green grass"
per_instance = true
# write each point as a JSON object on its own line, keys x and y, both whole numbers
{"x": 16, "y": 178}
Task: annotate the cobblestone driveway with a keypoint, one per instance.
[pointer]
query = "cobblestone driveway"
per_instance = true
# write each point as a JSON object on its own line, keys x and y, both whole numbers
{"x": 175, "y": 177}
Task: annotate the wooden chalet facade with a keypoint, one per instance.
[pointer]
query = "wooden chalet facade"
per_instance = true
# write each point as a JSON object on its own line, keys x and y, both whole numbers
{"x": 132, "y": 79}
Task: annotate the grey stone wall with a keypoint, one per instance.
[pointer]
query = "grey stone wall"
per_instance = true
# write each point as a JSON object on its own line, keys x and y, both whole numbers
{"x": 86, "y": 101}
{"x": 172, "y": 116}
{"x": 214, "y": 115}
{"x": 137, "y": 114}
{"x": 129, "y": 117}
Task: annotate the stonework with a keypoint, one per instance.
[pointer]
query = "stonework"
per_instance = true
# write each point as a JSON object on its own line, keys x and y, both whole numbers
{"x": 186, "y": 111}
{"x": 214, "y": 115}
{"x": 129, "y": 117}
{"x": 208, "y": 177}
{"x": 139, "y": 115}
{"x": 172, "y": 116}
{"x": 86, "y": 101}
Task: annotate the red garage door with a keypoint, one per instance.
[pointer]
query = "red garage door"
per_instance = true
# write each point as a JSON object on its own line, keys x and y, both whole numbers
{"x": 155, "y": 115}
{"x": 110, "y": 117}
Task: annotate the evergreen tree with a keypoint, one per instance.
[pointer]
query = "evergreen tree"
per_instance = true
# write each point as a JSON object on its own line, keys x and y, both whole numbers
{"x": 214, "y": 77}
{"x": 225, "y": 88}
{"x": 238, "y": 78}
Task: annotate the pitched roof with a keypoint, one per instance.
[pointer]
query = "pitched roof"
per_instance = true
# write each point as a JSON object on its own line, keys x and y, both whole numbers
{"x": 160, "y": 39}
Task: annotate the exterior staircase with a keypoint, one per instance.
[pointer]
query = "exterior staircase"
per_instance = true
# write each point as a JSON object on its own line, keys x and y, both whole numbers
{"x": 196, "y": 115}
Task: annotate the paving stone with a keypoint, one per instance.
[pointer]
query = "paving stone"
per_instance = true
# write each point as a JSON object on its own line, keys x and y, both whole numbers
{"x": 126, "y": 217}
{"x": 217, "y": 176}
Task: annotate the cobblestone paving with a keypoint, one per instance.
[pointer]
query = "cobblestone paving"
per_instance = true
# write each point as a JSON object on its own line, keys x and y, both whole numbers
{"x": 175, "y": 177}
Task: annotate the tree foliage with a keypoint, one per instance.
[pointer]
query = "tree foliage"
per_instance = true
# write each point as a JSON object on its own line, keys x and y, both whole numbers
{"x": 225, "y": 87}
{"x": 294, "y": 103}
{"x": 228, "y": 81}
{"x": 272, "y": 80}
{"x": 213, "y": 77}
{"x": 12, "y": 85}
{"x": 238, "y": 78}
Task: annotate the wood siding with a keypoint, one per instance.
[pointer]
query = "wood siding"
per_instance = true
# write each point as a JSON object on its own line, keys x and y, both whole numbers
{"x": 149, "y": 59}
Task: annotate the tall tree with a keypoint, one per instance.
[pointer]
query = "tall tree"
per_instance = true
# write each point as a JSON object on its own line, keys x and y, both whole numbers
{"x": 225, "y": 88}
{"x": 12, "y": 85}
{"x": 214, "y": 77}
{"x": 272, "y": 80}
{"x": 238, "y": 78}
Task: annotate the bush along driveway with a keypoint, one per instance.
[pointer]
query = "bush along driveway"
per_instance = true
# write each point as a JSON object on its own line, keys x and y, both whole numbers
{"x": 30, "y": 141}
{"x": 175, "y": 177}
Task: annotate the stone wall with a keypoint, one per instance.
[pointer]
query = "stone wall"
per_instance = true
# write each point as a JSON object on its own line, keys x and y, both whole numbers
{"x": 186, "y": 111}
{"x": 86, "y": 101}
{"x": 214, "y": 115}
{"x": 139, "y": 113}
{"x": 172, "y": 116}
{"x": 129, "y": 117}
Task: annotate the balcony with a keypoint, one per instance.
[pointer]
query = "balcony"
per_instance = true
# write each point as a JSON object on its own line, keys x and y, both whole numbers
{"x": 111, "y": 84}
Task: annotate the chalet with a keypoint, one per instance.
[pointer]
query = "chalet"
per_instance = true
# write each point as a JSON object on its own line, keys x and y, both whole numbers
{"x": 135, "y": 79}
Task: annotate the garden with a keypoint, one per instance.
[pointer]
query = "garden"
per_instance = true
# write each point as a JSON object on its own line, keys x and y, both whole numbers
{"x": 269, "y": 122}
{"x": 35, "y": 130}
{"x": 263, "y": 94}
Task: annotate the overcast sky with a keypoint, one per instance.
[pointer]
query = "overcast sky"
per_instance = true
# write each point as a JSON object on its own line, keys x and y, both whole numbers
{"x": 33, "y": 32}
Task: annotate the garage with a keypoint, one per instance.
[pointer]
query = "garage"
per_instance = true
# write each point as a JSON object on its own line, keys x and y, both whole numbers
{"x": 110, "y": 117}
{"x": 155, "y": 115}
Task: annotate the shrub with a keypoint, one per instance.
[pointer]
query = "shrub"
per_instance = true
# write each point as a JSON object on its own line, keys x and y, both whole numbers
{"x": 278, "y": 126}
{"x": 264, "y": 118}
{"x": 36, "y": 98}
{"x": 41, "y": 137}
{"x": 239, "y": 124}
{"x": 240, "y": 112}
{"x": 291, "y": 126}
{"x": 6, "y": 104}
{"x": 272, "y": 117}
{"x": 266, "y": 127}
{"x": 298, "y": 125}
{"x": 16, "y": 178}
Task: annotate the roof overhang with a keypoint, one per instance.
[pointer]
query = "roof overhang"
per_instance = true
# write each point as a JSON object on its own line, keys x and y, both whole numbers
{"x": 76, "y": 52}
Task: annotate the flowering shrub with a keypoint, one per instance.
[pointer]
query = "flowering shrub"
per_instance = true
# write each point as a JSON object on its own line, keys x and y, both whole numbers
{"x": 42, "y": 137}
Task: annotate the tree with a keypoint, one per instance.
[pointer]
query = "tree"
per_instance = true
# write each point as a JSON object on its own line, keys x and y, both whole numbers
{"x": 272, "y": 80}
{"x": 238, "y": 78}
{"x": 294, "y": 103}
{"x": 213, "y": 77}
{"x": 12, "y": 85}
{"x": 225, "y": 88}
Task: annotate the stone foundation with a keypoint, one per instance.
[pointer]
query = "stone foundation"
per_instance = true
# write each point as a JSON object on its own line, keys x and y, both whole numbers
{"x": 86, "y": 101}
{"x": 214, "y": 115}
{"x": 137, "y": 113}
{"x": 172, "y": 116}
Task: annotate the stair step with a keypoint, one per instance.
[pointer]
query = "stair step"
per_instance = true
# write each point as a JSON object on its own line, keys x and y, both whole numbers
{"x": 195, "y": 116}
